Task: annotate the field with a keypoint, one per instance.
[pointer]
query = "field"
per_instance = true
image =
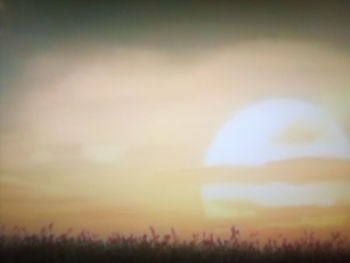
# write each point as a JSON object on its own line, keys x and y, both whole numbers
{"x": 16, "y": 245}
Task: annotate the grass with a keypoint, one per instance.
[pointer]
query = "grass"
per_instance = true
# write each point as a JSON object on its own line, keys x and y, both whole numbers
{"x": 17, "y": 245}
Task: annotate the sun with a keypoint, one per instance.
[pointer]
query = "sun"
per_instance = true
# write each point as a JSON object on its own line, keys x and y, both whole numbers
{"x": 275, "y": 130}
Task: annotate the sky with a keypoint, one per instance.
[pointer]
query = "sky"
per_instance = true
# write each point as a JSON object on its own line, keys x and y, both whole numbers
{"x": 115, "y": 117}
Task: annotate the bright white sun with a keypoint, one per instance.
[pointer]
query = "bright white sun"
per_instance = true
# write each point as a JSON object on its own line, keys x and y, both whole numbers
{"x": 275, "y": 130}
{"x": 271, "y": 131}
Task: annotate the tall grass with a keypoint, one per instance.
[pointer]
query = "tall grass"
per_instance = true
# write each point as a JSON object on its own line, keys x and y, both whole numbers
{"x": 17, "y": 245}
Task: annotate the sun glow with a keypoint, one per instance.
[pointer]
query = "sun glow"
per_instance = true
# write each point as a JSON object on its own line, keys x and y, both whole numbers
{"x": 124, "y": 134}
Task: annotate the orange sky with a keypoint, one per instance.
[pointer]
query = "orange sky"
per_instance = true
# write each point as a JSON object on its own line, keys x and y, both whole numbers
{"x": 115, "y": 138}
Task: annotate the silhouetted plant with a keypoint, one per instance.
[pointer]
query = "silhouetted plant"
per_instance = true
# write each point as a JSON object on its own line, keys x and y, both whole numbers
{"x": 17, "y": 245}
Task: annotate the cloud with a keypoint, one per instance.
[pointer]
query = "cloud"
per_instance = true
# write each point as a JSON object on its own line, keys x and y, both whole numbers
{"x": 277, "y": 194}
{"x": 300, "y": 132}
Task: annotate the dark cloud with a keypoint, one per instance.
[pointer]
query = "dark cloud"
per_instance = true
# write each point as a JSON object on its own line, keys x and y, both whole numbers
{"x": 174, "y": 22}
{"x": 37, "y": 26}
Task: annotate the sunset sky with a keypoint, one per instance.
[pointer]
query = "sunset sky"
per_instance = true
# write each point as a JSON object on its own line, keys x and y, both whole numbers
{"x": 117, "y": 117}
